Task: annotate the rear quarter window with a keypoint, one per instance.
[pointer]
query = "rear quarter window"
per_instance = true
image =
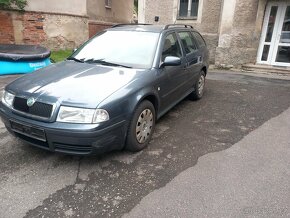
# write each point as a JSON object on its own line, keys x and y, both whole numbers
{"x": 199, "y": 39}
{"x": 187, "y": 42}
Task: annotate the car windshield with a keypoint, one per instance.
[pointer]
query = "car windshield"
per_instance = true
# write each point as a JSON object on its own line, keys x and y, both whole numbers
{"x": 119, "y": 48}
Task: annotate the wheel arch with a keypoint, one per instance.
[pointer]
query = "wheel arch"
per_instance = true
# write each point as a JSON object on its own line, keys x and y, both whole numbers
{"x": 129, "y": 141}
{"x": 149, "y": 96}
{"x": 153, "y": 99}
{"x": 204, "y": 69}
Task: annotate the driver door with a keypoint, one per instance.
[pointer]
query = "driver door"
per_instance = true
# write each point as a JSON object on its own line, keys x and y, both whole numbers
{"x": 173, "y": 79}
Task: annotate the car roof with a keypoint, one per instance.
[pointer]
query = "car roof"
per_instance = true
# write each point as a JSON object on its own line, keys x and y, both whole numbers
{"x": 150, "y": 28}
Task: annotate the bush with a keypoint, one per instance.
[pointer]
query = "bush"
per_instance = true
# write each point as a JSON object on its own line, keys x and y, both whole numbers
{"x": 13, "y": 4}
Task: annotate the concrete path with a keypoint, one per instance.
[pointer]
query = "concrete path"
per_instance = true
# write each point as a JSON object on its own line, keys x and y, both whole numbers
{"x": 250, "y": 179}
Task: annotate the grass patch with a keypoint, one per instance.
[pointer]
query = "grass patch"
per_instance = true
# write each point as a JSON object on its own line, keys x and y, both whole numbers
{"x": 60, "y": 55}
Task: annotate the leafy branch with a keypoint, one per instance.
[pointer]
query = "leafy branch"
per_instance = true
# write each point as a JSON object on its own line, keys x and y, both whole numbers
{"x": 13, "y": 4}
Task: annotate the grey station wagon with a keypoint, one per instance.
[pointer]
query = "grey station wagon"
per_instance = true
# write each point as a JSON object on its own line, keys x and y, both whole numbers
{"x": 109, "y": 93}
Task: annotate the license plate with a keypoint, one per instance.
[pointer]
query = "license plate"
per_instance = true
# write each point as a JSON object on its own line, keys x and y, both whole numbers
{"x": 30, "y": 131}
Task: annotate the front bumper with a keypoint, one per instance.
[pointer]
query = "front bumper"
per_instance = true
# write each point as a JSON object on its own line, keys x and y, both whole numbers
{"x": 76, "y": 139}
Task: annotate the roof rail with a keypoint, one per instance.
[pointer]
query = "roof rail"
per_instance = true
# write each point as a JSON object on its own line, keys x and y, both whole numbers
{"x": 129, "y": 24}
{"x": 172, "y": 25}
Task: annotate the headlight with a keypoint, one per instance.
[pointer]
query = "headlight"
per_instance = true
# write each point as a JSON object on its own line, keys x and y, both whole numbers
{"x": 7, "y": 98}
{"x": 81, "y": 115}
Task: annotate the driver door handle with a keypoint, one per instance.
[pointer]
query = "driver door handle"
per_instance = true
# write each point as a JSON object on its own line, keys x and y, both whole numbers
{"x": 199, "y": 59}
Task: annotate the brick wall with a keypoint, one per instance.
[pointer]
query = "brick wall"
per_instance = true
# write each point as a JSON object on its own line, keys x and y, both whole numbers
{"x": 54, "y": 31}
{"x": 33, "y": 32}
{"x": 6, "y": 28}
{"x": 30, "y": 26}
{"x": 95, "y": 27}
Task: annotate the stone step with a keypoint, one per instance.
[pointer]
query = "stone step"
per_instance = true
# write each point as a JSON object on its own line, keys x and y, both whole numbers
{"x": 266, "y": 69}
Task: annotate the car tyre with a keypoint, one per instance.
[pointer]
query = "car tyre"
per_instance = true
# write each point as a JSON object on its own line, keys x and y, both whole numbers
{"x": 198, "y": 87}
{"x": 141, "y": 127}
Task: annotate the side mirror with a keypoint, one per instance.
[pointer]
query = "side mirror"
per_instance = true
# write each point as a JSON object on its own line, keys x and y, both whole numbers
{"x": 171, "y": 61}
{"x": 75, "y": 50}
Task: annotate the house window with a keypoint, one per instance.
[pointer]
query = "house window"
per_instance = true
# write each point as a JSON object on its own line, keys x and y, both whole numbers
{"x": 188, "y": 9}
{"x": 108, "y": 3}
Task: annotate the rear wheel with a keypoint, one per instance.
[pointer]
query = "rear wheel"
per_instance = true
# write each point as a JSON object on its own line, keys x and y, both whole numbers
{"x": 141, "y": 127}
{"x": 198, "y": 87}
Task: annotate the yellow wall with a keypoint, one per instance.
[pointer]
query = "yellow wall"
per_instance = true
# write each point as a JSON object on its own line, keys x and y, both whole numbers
{"x": 120, "y": 12}
{"x": 74, "y": 7}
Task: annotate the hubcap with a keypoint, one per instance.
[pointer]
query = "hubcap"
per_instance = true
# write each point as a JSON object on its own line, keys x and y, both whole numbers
{"x": 201, "y": 84}
{"x": 144, "y": 125}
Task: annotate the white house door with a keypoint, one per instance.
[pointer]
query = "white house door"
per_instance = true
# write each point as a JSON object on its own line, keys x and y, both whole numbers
{"x": 275, "y": 40}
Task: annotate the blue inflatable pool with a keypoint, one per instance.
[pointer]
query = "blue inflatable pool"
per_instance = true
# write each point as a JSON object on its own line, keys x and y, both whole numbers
{"x": 17, "y": 59}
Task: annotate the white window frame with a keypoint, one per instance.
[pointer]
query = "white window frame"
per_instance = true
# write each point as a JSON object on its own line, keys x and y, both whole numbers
{"x": 275, "y": 42}
{"x": 186, "y": 21}
{"x": 108, "y": 4}
{"x": 188, "y": 17}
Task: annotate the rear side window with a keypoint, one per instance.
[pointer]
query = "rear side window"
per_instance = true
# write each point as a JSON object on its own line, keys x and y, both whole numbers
{"x": 187, "y": 42}
{"x": 199, "y": 39}
{"x": 171, "y": 47}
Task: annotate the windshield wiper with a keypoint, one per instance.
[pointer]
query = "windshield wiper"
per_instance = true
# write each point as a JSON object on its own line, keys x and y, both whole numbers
{"x": 75, "y": 59}
{"x": 102, "y": 62}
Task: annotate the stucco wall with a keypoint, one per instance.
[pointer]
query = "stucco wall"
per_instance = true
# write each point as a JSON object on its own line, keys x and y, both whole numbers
{"x": 65, "y": 31}
{"x": 162, "y": 8}
{"x": 120, "y": 12}
{"x": 232, "y": 28}
{"x": 239, "y": 39}
{"x": 207, "y": 22}
{"x": 102, "y": 17}
{"x": 74, "y": 7}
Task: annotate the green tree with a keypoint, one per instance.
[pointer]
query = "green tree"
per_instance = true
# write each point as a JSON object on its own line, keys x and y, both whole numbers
{"x": 13, "y": 4}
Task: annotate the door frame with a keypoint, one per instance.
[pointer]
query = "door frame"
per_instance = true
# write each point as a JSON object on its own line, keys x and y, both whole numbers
{"x": 275, "y": 41}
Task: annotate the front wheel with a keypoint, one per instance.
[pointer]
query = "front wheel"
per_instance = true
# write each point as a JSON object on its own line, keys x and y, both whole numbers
{"x": 141, "y": 127}
{"x": 198, "y": 87}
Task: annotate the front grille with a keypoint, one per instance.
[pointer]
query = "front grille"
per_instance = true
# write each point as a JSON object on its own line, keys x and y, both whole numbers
{"x": 37, "y": 109}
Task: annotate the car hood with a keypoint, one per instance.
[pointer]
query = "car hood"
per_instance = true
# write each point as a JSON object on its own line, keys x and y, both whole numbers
{"x": 72, "y": 83}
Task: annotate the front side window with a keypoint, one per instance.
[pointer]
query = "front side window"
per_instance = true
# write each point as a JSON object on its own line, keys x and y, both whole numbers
{"x": 171, "y": 47}
{"x": 131, "y": 48}
{"x": 188, "y": 9}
